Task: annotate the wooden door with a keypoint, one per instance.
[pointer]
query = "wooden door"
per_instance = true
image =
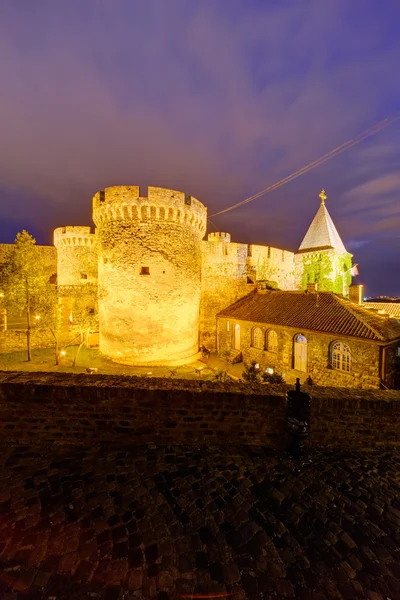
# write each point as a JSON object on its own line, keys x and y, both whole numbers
{"x": 300, "y": 353}
{"x": 237, "y": 336}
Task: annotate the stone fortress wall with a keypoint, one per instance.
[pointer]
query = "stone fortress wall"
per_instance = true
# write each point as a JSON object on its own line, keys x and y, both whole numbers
{"x": 159, "y": 284}
{"x": 230, "y": 270}
{"x": 149, "y": 253}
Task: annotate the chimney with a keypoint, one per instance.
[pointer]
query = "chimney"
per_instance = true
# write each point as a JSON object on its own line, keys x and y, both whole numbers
{"x": 312, "y": 288}
{"x": 356, "y": 294}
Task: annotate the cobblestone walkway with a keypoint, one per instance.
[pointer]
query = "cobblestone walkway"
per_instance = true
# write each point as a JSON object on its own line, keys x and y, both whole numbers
{"x": 172, "y": 523}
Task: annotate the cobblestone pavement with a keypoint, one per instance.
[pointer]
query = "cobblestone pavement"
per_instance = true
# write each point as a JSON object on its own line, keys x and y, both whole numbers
{"x": 169, "y": 523}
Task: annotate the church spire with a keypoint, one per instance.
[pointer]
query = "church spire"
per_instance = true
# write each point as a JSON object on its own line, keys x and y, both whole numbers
{"x": 322, "y": 233}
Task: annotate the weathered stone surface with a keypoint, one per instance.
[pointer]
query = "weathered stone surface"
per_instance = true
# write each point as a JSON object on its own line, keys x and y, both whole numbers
{"x": 251, "y": 546}
{"x": 77, "y": 409}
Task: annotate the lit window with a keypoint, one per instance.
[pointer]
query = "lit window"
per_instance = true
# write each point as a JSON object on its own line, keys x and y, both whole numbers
{"x": 257, "y": 338}
{"x": 272, "y": 341}
{"x": 340, "y": 357}
{"x": 228, "y": 325}
{"x": 145, "y": 271}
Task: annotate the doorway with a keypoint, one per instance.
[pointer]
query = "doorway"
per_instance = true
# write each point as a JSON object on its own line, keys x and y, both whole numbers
{"x": 300, "y": 353}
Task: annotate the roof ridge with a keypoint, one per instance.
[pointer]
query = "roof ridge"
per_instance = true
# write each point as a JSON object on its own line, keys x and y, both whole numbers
{"x": 365, "y": 322}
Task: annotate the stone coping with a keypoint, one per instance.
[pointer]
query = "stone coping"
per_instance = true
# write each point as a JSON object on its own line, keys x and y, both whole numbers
{"x": 157, "y": 383}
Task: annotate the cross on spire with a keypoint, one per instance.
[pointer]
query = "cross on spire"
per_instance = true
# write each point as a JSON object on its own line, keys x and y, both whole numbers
{"x": 323, "y": 196}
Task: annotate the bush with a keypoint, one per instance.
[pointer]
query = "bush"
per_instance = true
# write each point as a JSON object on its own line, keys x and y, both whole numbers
{"x": 252, "y": 373}
{"x": 220, "y": 375}
{"x": 272, "y": 378}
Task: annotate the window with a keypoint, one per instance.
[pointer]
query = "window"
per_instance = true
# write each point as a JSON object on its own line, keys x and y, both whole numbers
{"x": 228, "y": 325}
{"x": 340, "y": 357}
{"x": 145, "y": 271}
{"x": 83, "y": 275}
{"x": 257, "y": 338}
{"x": 90, "y": 311}
{"x": 272, "y": 341}
{"x": 398, "y": 351}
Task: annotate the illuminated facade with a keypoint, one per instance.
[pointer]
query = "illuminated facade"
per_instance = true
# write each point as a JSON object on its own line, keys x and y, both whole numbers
{"x": 160, "y": 285}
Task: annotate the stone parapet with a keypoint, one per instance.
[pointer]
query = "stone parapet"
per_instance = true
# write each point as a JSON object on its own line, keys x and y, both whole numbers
{"x": 72, "y": 235}
{"x": 124, "y": 203}
{"x": 83, "y": 409}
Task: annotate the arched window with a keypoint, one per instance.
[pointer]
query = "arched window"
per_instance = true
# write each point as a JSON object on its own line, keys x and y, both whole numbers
{"x": 340, "y": 356}
{"x": 257, "y": 338}
{"x": 272, "y": 341}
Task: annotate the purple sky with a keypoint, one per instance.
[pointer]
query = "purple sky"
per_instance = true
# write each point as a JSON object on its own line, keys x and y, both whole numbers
{"x": 217, "y": 98}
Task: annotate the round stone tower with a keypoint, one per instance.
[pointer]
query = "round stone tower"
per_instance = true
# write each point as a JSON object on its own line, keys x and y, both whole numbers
{"x": 149, "y": 252}
{"x": 76, "y": 256}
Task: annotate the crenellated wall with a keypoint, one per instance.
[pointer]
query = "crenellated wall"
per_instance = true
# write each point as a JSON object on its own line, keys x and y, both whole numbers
{"x": 159, "y": 285}
{"x": 231, "y": 270}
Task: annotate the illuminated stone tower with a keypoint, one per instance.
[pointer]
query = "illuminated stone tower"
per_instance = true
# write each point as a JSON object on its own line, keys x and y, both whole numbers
{"x": 76, "y": 256}
{"x": 322, "y": 258}
{"x": 149, "y": 274}
{"x": 76, "y": 267}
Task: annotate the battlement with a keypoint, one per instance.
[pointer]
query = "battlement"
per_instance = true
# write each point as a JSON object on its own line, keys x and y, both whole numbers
{"x": 124, "y": 203}
{"x": 219, "y": 236}
{"x": 72, "y": 235}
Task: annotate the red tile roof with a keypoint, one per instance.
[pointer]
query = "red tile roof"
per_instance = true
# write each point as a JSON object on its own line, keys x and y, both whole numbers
{"x": 321, "y": 311}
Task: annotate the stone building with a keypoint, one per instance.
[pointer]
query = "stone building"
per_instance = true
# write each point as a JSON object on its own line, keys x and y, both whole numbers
{"x": 322, "y": 258}
{"x": 159, "y": 285}
{"x": 315, "y": 334}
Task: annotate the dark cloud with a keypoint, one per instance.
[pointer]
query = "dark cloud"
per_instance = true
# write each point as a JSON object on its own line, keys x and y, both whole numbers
{"x": 220, "y": 99}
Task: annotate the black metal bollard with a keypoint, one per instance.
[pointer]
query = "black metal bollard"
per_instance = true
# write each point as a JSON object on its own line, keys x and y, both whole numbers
{"x": 297, "y": 419}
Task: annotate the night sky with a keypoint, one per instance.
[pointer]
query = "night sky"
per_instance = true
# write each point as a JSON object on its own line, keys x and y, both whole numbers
{"x": 217, "y": 98}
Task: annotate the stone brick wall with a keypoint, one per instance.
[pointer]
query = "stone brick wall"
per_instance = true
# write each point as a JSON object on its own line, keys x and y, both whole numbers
{"x": 230, "y": 271}
{"x": 79, "y": 409}
{"x": 365, "y": 355}
{"x": 14, "y": 340}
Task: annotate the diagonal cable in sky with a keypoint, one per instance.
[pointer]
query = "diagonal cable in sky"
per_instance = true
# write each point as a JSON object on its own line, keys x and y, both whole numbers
{"x": 319, "y": 161}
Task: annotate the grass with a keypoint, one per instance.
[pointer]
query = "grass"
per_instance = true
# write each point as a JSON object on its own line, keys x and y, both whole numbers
{"x": 43, "y": 359}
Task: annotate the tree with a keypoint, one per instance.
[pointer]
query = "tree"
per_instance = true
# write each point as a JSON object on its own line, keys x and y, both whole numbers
{"x": 25, "y": 281}
{"x": 84, "y": 315}
{"x": 48, "y": 310}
